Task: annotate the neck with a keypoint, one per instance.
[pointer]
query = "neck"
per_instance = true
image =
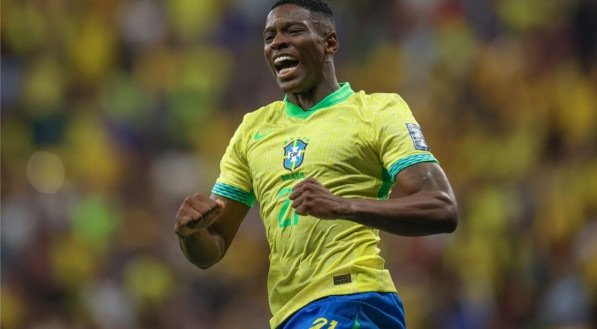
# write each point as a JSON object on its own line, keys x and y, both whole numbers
{"x": 309, "y": 98}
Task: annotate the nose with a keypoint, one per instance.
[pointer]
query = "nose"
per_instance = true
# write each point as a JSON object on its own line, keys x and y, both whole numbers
{"x": 280, "y": 41}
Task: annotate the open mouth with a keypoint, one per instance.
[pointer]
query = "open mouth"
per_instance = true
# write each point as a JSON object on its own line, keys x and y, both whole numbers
{"x": 285, "y": 64}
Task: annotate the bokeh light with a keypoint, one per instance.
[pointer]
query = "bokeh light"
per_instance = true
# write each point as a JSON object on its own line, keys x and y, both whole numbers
{"x": 45, "y": 171}
{"x": 114, "y": 110}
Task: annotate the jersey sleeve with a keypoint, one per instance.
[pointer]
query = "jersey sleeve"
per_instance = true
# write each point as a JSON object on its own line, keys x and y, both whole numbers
{"x": 399, "y": 137}
{"x": 235, "y": 180}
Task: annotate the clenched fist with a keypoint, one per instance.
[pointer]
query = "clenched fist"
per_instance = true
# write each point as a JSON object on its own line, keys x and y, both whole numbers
{"x": 197, "y": 212}
{"x": 309, "y": 197}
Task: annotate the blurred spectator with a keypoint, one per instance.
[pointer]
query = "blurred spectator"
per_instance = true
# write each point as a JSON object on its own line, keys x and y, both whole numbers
{"x": 113, "y": 110}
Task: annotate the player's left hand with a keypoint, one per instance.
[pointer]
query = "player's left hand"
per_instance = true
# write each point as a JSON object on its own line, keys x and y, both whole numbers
{"x": 309, "y": 197}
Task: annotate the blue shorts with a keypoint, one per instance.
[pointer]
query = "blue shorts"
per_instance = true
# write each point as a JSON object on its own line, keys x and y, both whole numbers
{"x": 369, "y": 310}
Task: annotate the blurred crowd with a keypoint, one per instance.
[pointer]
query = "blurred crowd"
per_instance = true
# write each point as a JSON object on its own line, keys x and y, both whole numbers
{"x": 114, "y": 110}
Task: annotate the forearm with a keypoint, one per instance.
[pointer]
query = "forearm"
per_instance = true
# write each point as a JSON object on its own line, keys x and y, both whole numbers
{"x": 203, "y": 248}
{"x": 423, "y": 213}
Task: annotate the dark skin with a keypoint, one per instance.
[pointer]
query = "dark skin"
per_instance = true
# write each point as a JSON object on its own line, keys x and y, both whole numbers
{"x": 206, "y": 226}
{"x": 294, "y": 31}
{"x": 427, "y": 207}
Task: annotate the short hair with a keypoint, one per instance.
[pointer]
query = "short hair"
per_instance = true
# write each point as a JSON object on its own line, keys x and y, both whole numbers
{"x": 315, "y": 6}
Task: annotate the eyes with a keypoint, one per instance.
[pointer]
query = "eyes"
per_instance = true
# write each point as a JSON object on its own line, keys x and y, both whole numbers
{"x": 268, "y": 38}
{"x": 293, "y": 30}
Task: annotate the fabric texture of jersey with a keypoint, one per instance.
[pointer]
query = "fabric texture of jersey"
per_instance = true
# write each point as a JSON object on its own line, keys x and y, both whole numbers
{"x": 370, "y": 310}
{"x": 354, "y": 144}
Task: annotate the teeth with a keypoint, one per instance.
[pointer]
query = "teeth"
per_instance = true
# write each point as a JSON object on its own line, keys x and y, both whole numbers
{"x": 278, "y": 60}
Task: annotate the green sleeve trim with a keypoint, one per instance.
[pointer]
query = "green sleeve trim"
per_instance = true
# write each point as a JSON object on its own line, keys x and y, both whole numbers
{"x": 234, "y": 193}
{"x": 403, "y": 163}
{"x": 386, "y": 185}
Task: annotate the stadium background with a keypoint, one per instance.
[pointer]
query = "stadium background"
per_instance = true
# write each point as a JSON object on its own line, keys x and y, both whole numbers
{"x": 113, "y": 111}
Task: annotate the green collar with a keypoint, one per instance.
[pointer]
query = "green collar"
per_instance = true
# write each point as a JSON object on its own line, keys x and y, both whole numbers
{"x": 334, "y": 98}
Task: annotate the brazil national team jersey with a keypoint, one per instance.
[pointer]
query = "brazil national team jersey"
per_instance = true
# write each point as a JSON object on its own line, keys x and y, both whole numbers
{"x": 354, "y": 144}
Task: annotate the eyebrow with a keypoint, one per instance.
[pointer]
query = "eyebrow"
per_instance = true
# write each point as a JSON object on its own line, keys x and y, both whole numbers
{"x": 284, "y": 24}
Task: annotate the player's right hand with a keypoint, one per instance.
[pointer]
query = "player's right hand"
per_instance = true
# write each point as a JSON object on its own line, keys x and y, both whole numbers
{"x": 197, "y": 212}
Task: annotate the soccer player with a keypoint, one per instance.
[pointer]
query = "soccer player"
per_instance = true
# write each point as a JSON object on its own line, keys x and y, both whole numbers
{"x": 321, "y": 163}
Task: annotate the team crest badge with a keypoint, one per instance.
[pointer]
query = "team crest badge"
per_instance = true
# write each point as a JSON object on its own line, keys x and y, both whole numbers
{"x": 294, "y": 153}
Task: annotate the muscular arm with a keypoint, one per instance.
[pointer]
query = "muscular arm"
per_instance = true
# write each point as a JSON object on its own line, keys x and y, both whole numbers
{"x": 206, "y": 227}
{"x": 427, "y": 207}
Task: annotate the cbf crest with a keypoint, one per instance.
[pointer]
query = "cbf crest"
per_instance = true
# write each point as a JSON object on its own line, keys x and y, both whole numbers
{"x": 294, "y": 154}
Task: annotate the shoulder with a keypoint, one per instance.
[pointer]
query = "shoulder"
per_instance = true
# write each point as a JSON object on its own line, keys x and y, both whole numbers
{"x": 255, "y": 120}
{"x": 374, "y": 103}
{"x": 252, "y": 122}
{"x": 263, "y": 114}
{"x": 384, "y": 99}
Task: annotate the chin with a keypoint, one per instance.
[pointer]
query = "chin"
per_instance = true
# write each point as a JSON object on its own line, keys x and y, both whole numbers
{"x": 291, "y": 86}
{"x": 296, "y": 85}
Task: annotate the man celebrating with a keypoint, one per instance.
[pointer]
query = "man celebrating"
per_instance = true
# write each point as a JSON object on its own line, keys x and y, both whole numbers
{"x": 321, "y": 164}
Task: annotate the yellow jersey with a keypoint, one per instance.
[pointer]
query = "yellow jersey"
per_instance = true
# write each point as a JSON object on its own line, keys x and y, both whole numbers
{"x": 354, "y": 144}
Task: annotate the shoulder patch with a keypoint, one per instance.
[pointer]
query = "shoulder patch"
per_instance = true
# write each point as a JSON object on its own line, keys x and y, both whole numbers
{"x": 416, "y": 134}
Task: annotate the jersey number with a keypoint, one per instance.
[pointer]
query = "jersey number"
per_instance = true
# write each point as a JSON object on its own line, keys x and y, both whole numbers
{"x": 284, "y": 221}
{"x": 319, "y": 323}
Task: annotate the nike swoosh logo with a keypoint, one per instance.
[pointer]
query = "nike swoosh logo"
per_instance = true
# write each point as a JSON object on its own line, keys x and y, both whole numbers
{"x": 259, "y": 135}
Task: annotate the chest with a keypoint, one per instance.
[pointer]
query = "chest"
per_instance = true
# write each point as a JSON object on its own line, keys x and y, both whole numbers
{"x": 324, "y": 147}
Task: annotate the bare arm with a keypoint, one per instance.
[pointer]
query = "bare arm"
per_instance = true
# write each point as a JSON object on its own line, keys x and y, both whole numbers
{"x": 427, "y": 207}
{"x": 206, "y": 227}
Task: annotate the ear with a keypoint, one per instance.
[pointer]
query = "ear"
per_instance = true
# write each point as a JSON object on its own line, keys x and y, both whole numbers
{"x": 331, "y": 43}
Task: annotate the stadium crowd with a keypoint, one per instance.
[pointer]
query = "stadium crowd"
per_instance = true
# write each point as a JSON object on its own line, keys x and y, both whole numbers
{"x": 114, "y": 110}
